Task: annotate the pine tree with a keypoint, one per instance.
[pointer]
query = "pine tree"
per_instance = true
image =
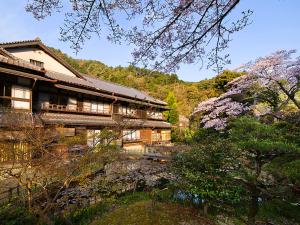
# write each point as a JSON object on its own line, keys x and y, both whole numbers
{"x": 172, "y": 115}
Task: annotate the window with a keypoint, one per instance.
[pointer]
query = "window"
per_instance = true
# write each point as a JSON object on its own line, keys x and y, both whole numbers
{"x": 155, "y": 136}
{"x": 155, "y": 114}
{"x": 20, "y": 93}
{"x": 72, "y": 104}
{"x": 86, "y": 106}
{"x": 37, "y": 63}
{"x": 131, "y": 135}
{"x": 127, "y": 110}
{"x": 96, "y": 107}
{"x": 5, "y": 91}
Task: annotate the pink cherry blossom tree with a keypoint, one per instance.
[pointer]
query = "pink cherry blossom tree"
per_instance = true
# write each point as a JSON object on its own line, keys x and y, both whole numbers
{"x": 279, "y": 72}
{"x": 267, "y": 79}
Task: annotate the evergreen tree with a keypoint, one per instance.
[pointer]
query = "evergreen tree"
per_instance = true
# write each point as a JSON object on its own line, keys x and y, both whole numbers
{"x": 172, "y": 115}
{"x": 259, "y": 147}
{"x": 256, "y": 159}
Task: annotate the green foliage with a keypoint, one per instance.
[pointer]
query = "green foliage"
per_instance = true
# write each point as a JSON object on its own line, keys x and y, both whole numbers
{"x": 224, "y": 78}
{"x": 291, "y": 171}
{"x": 86, "y": 215}
{"x": 286, "y": 169}
{"x": 204, "y": 172}
{"x": 257, "y": 160}
{"x": 279, "y": 212}
{"x": 151, "y": 213}
{"x": 75, "y": 140}
{"x": 16, "y": 215}
{"x": 172, "y": 115}
{"x": 134, "y": 197}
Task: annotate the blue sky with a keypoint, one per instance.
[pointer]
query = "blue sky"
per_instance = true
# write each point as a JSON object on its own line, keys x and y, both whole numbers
{"x": 275, "y": 26}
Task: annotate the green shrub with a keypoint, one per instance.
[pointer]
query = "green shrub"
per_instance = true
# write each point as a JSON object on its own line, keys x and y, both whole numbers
{"x": 16, "y": 215}
{"x": 86, "y": 215}
{"x": 279, "y": 211}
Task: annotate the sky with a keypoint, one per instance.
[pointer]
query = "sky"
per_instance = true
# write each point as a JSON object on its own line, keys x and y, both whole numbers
{"x": 275, "y": 25}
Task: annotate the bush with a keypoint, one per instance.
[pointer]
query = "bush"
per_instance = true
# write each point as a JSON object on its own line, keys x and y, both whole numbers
{"x": 16, "y": 215}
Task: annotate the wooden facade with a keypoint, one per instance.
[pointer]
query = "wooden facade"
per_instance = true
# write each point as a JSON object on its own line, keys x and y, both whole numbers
{"x": 53, "y": 93}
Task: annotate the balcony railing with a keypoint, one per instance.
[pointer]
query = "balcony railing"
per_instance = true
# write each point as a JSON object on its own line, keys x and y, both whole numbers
{"x": 72, "y": 109}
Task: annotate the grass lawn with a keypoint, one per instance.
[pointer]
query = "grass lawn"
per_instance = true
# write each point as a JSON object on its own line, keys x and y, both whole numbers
{"x": 148, "y": 212}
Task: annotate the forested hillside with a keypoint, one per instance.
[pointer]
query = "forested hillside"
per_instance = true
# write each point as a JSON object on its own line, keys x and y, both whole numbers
{"x": 157, "y": 84}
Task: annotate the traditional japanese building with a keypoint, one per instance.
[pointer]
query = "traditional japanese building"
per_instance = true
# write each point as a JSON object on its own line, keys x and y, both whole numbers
{"x": 35, "y": 80}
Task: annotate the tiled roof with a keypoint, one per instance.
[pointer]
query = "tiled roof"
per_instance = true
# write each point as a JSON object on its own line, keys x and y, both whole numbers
{"x": 121, "y": 90}
{"x": 73, "y": 119}
{"x": 68, "y": 79}
{"x": 87, "y": 120}
{"x": 20, "y": 42}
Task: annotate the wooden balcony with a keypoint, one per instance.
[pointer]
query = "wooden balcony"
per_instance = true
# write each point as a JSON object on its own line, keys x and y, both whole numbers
{"x": 72, "y": 109}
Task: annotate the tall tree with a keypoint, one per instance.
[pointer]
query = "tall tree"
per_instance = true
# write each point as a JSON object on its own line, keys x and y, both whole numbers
{"x": 203, "y": 173}
{"x": 172, "y": 115}
{"x": 273, "y": 80}
{"x": 251, "y": 158}
{"x": 165, "y": 32}
{"x": 259, "y": 146}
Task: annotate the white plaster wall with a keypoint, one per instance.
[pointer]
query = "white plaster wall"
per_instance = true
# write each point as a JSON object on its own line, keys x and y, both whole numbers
{"x": 36, "y": 54}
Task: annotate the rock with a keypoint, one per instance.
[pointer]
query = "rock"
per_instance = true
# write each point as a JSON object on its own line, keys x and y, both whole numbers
{"x": 117, "y": 178}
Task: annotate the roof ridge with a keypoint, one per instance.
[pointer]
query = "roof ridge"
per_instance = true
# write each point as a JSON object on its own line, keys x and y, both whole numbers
{"x": 19, "y": 42}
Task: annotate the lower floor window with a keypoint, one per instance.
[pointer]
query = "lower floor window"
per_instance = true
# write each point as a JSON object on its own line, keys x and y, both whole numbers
{"x": 130, "y": 135}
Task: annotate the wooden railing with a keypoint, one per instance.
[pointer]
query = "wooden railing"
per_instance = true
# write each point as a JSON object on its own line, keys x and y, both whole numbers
{"x": 74, "y": 109}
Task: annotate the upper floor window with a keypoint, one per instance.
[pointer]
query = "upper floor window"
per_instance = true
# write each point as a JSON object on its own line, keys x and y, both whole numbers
{"x": 127, "y": 110}
{"x": 20, "y": 97}
{"x": 72, "y": 104}
{"x": 36, "y": 63}
{"x": 155, "y": 114}
{"x": 96, "y": 107}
